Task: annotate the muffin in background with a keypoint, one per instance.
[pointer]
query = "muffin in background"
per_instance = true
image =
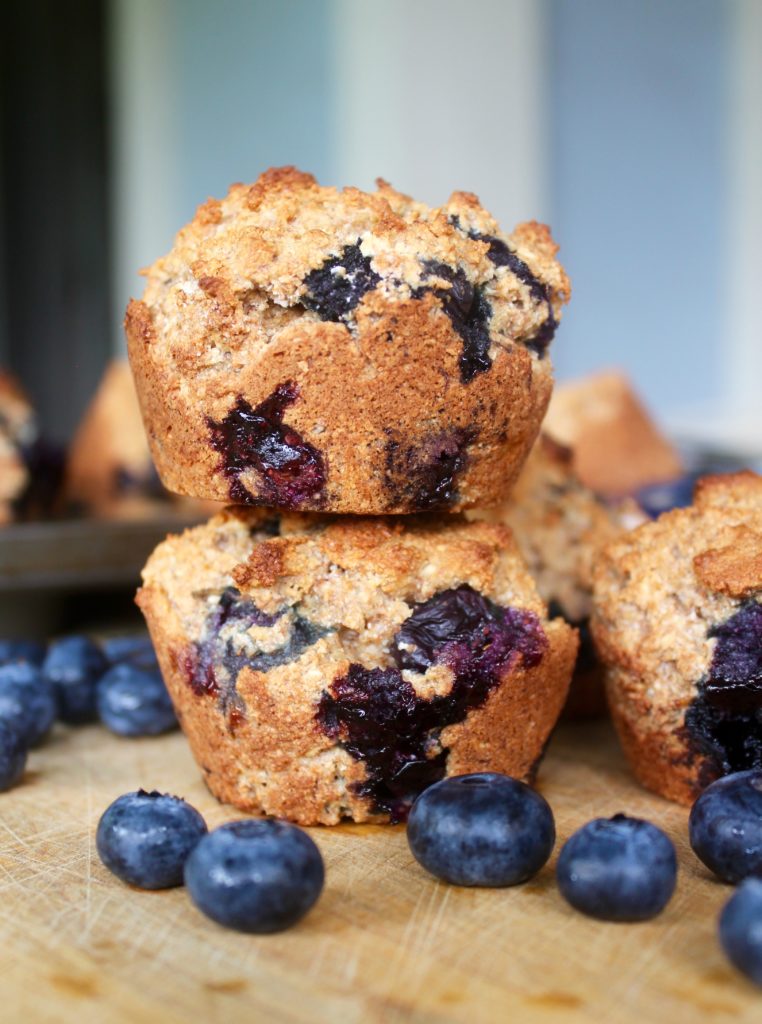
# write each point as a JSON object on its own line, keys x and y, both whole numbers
{"x": 617, "y": 448}
{"x": 560, "y": 525}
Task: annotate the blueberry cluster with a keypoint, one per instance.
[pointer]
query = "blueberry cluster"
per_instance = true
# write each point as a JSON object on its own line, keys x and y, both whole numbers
{"x": 76, "y": 681}
{"x": 253, "y": 876}
{"x": 490, "y": 830}
{"x": 484, "y": 829}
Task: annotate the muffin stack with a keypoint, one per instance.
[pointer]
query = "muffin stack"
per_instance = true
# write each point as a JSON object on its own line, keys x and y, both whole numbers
{"x": 330, "y": 363}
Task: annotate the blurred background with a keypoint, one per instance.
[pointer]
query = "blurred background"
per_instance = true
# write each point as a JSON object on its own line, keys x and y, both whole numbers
{"x": 634, "y": 128}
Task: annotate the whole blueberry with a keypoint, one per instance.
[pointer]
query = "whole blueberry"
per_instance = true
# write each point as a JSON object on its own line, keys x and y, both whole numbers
{"x": 618, "y": 869}
{"x": 145, "y": 838}
{"x": 484, "y": 829}
{"x": 134, "y": 702}
{"x": 741, "y": 929}
{"x": 12, "y": 756}
{"x": 27, "y": 701}
{"x": 73, "y": 665}
{"x": 21, "y": 650}
{"x": 255, "y": 876}
{"x": 135, "y": 648}
{"x": 725, "y": 826}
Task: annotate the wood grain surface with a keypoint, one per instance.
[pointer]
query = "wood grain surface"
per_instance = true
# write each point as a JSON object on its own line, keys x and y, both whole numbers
{"x": 385, "y": 943}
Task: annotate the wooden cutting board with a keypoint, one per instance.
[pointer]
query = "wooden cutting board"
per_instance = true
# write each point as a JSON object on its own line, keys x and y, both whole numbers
{"x": 385, "y": 943}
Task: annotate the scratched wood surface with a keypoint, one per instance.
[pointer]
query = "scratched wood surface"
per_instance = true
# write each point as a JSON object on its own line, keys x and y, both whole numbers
{"x": 385, "y": 943}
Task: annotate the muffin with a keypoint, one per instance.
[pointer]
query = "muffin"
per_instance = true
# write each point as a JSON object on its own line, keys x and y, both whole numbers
{"x": 18, "y": 433}
{"x": 307, "y": 348}
{"x": 109, "y": 472}
{"x": 559, "y": 526}
{"x": 327, "y": 669}
{"x": 617, "y": 448}
{"x": 678, "y": 621}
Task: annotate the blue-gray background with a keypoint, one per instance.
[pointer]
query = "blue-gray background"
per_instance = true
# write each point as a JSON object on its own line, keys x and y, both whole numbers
{"x": 628, "y": 141}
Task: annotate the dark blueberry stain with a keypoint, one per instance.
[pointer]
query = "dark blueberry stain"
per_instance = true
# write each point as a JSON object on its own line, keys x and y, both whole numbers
{"x": 335, "y": 288}
{"x": 724, "y": 721}
{"x": 423, "y": 477}
{"x": 469, "y": 312}
{"x": 502, "y": 256}
{"x": 290, "y": 471}
{"x": 380, "y": 720}
{"x": 214, "y": 665}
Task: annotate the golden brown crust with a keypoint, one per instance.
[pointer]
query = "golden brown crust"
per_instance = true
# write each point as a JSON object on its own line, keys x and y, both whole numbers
{"x": 357, "y": 581}
{"x": 380, "y": 393}
{"x": 736, "y": 568}
{"x": 617, "y": 447}
{"x": 659, "y": 592}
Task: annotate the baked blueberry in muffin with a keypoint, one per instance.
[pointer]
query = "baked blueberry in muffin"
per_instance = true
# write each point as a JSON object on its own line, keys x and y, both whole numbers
{"x": 337, "y": 669}
{"x": 313, "y": 349}
{"x": 678, "y": 620}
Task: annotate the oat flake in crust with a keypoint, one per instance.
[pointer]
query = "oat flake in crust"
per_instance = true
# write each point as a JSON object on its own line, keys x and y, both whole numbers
{"x": 331, "y": 669}
{"x": 307, "y": 348}
{"x": 678, "y": 620}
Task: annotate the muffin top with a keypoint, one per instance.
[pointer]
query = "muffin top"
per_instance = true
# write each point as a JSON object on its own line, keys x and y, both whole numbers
{"x": 285, "y": 252}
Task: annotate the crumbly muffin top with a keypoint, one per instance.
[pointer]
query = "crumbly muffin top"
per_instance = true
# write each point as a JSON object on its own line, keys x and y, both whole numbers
{"x": 663, "y": 591}
{"x": 283, "y": 252}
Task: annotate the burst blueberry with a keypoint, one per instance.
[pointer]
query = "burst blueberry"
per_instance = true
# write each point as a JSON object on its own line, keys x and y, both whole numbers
{"x": 255, "y": 876}
{"x": 145, "y": 838}
{"x": 485, "y": 829}
{"x": 740, "y": 929}
{"x": 134, "y": 702}
{"x": 74, "y": 665}
{"x": 725, "y": 826}
{"x": 12, "y": 756}
{"x": 27, "y": 701}
{"x": 618, "y": 869}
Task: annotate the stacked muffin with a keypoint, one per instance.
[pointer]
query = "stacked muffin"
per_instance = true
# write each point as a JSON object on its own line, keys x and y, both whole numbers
{"x": 314, "y": 356}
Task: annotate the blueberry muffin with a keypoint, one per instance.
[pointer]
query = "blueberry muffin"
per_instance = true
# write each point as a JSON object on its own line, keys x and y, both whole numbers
{"x": 617, "y": 448}
{"x": 678, "y": 621}
{"x": 18, "y": 433}
{"x": 109, "y": 472}
{"x": 331, "y": 669}
{"x": 307, "y": 348}
{"x": 559, "y": 526}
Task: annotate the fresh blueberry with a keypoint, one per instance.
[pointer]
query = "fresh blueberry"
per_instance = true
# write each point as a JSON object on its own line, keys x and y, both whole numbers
{"x": 145, "y": 838}
{"x": 136, "y": 648}
{"x": 618, "y": 869}
{"x": 255, "y": 876}
{"x": 133, "y": 702}
{"x": 485, "y": 829}
{"x": 741, "y": 929}
{"x": 21, "y": 650}
{"x": 73, "y": 665}
{"x": 725, "y": 826}
{"x": 27, "y": 701}
{"x": 12, "y": 756}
